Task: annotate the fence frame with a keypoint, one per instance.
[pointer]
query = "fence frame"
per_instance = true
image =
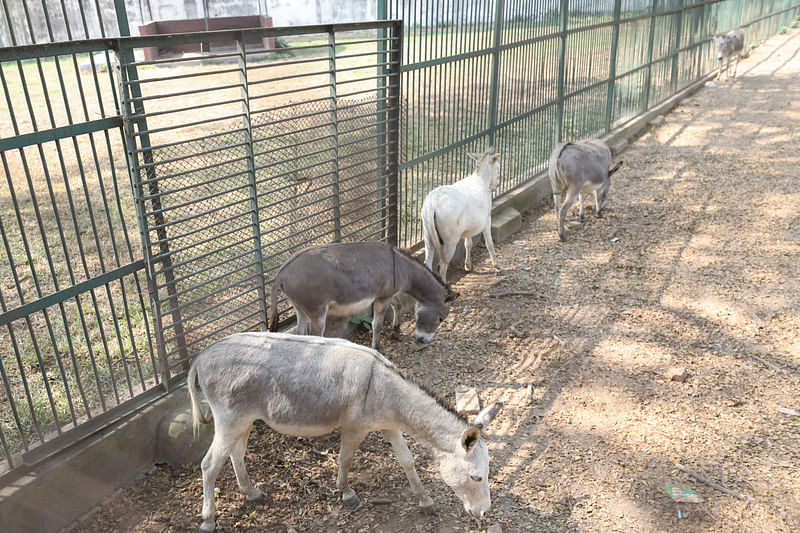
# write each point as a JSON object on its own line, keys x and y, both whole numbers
{"x": 434, "y": 165}
{"x": 132, "y": 124}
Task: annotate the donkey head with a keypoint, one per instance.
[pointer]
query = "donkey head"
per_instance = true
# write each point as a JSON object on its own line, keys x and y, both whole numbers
{"x": 429, "y": 315}
{"x": 487, "y": 165}
{"x": 721, "y": 44}
{"x": 466, "y": 469}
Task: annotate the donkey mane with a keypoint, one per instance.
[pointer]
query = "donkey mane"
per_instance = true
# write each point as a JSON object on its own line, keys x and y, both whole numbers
{"x": 406, "y": 252}
{"x": 427, "y": 390}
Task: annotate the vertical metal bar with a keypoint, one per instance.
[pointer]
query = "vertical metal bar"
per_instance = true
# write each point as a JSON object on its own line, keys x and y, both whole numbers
{"x": 381, "y": 161}
{"x": 650, "y": 42}
{"x": 334, "y": 105}
{"x": 251, "y": 177}
{"x": 562, "y": 54}
{"x": 133, "y": 114}
{"x": 393, "y": 138}
{"x": 612, "y": 72}
{"x": 673, "y": 84}
{"x": 122, "y": 18}
{"x": 495, "y": 80}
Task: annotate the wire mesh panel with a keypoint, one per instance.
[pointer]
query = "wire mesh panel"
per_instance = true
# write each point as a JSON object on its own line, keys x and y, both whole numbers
{"x": 243, "y": 156}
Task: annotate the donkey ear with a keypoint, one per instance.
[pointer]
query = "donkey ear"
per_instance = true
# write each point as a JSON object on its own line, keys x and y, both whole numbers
{"x": 487, "y": 414}
{"x": 495, "y": 157}
{"x": 475, "y": 156}
{"x": 470, "y": 437}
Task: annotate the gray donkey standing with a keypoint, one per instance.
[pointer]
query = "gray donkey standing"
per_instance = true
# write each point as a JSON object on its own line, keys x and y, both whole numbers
{"x": 729, "y": 45}
{"x": 576, "y": 169}
{"x": 308, "y": 386}
{"x": 344, "y": 279}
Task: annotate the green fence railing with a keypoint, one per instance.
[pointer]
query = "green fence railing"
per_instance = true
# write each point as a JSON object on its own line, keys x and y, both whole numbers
{"x": 525, "y": 74}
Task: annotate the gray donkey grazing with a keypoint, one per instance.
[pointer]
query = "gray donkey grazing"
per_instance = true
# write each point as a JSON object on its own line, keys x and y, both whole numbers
{"x": 577, "y": 169}
{"x": 729, "y": 45}
{"x": 344, "y": 279}
{"x": 308, "y": 386}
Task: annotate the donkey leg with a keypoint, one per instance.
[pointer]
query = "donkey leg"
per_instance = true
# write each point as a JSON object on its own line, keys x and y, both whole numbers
{"x": 430, "y": 250}
{"x": 736, "y": 66}
{"x": 396, "y": 311}
{"x": 349, "y": 444}
{"x": 468, "y": 253}
{"x": 448, "y": 250}
{"x": 487, "y": 237}
{"x": 580, "y": 206}
{"x": 317, "y": 321}
{"x": 303, "y": 322}
{"x": 557, "y": 203}
{"x": 212, "y": 463}
{"x": 242, "y": 479}
{"x": 406, "y": 460}
{"x": 379, "y": 308}
{"x": 562, "y": 214}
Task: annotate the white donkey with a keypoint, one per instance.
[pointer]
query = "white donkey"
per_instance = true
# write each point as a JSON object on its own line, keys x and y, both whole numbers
{"x": 729, "y": 45}
{"x": 308, "y": 386}
{"x": 461, "y": 211}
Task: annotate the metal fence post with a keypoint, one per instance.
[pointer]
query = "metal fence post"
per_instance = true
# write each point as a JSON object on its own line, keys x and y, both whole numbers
{"x": 562, "y": 55}
{"x": 128, "y": 73}
{"x": 495, "y": 82}
{"x": 381, "y": 159}
{"x": 251, "y": 178}
{"x": 612, "y": 69}
{"x": 393, "y": 137}
{"x": 673, "y": 83}
{"x": 649, "y": 77}
{"x": 337, "y": 223}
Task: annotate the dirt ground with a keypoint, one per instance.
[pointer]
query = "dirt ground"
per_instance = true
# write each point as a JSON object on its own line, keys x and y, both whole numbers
{"x": 696, "y": 264}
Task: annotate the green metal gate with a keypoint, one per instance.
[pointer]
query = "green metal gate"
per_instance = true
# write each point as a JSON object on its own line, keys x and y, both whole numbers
{"x": 147, "y": 204}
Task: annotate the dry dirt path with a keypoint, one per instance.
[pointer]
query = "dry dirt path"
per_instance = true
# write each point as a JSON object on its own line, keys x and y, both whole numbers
{"x": 705, "y": 275}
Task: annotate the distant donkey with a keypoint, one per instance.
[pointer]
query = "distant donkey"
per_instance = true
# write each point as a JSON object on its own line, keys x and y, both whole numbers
{"x": 344, "y": 279}
{"x": 577, "y": 169}
{"x": 461, "y": 211}
{"x": 308, "y": 386}
{"x": 729, "y": 45}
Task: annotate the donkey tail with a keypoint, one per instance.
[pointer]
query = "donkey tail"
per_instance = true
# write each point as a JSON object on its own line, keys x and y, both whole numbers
{"x": 552, "y": 168}
{"x": 436, "y": 230}
{"x": 197, "y": 415}
{"x": 273, "y": 305}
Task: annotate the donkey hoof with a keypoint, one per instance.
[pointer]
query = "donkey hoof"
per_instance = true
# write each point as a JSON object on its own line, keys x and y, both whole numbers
{"x": 428, "y": 509}
{"x": 351, "y": 500}
{"x": 255, "y": 496}
{"x": 207, "y": 526}
{"x": 562, "y": 237}
{"x": 396, "y": 334}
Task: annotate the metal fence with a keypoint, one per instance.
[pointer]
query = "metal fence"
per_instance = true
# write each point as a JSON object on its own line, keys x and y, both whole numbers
{"x": 523, "y": 75}
{"x": 148, "y": 203}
